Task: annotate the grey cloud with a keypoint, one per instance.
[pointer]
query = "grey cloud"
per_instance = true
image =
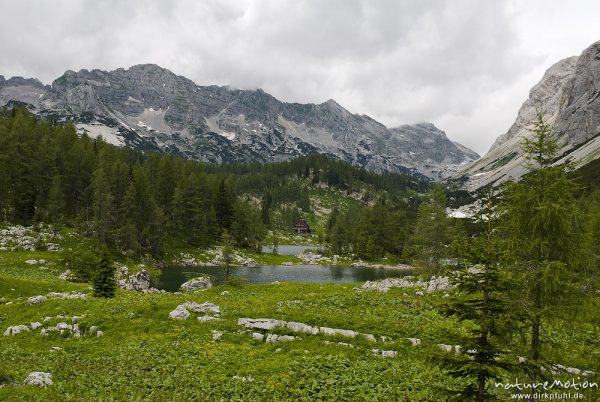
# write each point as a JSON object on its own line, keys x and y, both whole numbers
{"x": 398, "y": 61}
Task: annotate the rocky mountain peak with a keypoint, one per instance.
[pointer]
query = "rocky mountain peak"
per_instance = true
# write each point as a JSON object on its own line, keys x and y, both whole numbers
{"x": 149, "y": 107}
{"x": 547, "y": 96}
{"x": 568, "y": 95}
{"x": 20, "y": 81}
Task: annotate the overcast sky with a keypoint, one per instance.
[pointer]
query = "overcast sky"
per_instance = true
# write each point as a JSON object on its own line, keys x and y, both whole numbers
{"x": 464, "y": 65}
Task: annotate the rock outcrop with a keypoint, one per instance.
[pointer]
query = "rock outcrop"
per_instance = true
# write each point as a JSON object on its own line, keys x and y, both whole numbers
{"x": 440, "y": 283}
{"x": 139, "y": 281}
{"x": 39, "y": 379}
{"x": 17, "y": 238}
{"x": 210, "y": 310}
{"x": 200, "y": 283}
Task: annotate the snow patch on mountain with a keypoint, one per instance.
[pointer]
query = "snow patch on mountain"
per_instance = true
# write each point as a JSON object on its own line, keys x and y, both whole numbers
{"x": 109, "y": 134}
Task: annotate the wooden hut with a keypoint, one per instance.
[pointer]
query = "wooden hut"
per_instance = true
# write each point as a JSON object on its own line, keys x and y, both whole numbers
{"x": 301, "y": 227}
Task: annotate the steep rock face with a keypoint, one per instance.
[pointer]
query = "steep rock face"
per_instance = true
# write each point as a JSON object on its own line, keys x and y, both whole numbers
{"x": 579, "y": 120}
{"x": 547, "y": 96}
{"x": 148, "y": 107}
{"x": 569, "y": 97}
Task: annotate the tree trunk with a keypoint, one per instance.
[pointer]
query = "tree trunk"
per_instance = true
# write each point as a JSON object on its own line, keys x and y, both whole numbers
{"x": 536, "y": 320}
{"x": 481, "y": 390}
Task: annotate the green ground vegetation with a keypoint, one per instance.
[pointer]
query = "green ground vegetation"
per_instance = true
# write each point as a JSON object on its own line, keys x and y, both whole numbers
{"x": 144, "y": 355}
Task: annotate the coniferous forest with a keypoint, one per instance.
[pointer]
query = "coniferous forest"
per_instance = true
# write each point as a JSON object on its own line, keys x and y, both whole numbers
{"x": 139, "y": 203}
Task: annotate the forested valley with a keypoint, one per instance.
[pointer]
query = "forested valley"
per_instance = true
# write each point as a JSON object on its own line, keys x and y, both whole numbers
{"x": 143, "y": 203}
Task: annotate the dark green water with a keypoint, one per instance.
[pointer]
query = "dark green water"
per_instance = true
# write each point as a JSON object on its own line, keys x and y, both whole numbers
{"x": 172, "y": 278}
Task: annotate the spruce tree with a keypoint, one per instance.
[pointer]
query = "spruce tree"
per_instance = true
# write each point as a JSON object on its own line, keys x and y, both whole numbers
{"x": 226, "y": 254}
{"x": 56, "y": 201}
{"x": 105, "y": 284}
{"x": 103, "y": 208}
{"x": 482, "y": 299}
{"x": 224, "y": 205}
{"x": 431, "y": 235}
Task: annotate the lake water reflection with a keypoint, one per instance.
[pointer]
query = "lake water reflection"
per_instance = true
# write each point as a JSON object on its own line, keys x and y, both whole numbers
{"x": 172, "y": 278}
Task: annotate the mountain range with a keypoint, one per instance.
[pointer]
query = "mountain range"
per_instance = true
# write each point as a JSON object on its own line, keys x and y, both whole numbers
{"x": 568, "y": 96}
{"x": 147, "y": 107}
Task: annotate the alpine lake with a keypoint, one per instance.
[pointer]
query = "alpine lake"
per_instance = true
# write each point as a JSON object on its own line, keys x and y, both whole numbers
{"x": 174, "y": 276}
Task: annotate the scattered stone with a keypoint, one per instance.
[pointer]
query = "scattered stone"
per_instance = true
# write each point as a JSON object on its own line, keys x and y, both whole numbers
{"x": 389, "y": 283}
{"x": 336, "y": 331}
{"x": 369, "y": 337}
{"x": 39, "y": 378}
{"x": 36, "y": 300}
{"x": 300, "y": 327}
{"x": 414, "y": 341}
{"x": 216, "y": 334}
{"x": 205, "y": 318}
{"x": 440, "y": 283}
{"x": 72, "y": 295}
{"x": 419, "y": 293}
{"x": 272, "y": 338}
{"x": 35, "y": 325}
{"x": 446, "y": 348}
{"x": 206, "y": 307}
{"x": 67, "y": 276}
{"x": 139, "y": 281}
{"x": 99, "y": 334}
{"x": 225, "y": 293}
{"x": 243, "y": 379}
{"x": 384, "y": 353}
{"x": 202, "y": 282}
{"x": 261, "y": 323}
{"x": 16, "y": 329}
{"x": 93, "y": 329}
{"x": 278, "y": 350}
{"x": 573, "y": 370}
{"x": 55, "y": 349}
{"x": 62, "y": 326}
{"x": 347, "y": 345}
{"x": 180, "y": 313}
{"x": 275, "y": 283}
{"x": 31, "y": 262}
{"x": 289, "y": 303}
{"x": 258, "y": 336}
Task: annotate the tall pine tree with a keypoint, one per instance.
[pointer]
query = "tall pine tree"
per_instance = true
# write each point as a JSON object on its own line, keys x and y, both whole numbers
{"x": 546, "y": 230}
